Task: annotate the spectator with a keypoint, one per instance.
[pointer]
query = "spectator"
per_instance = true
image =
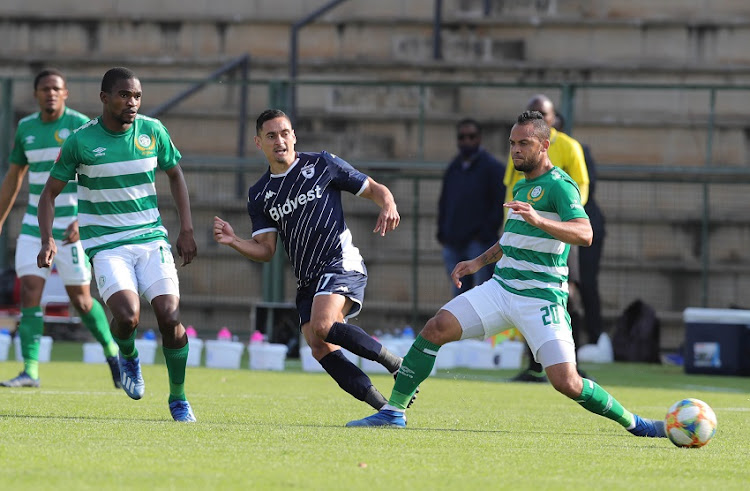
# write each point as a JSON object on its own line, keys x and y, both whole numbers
{"x": 470, "y": 208}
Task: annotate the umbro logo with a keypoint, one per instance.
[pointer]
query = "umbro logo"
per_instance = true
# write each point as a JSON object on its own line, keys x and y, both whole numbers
{"x": 406, "y": 371}
{"x": 342, "y": 288}
{"x": 30, "y": 139}
{"x": 99, "y": 151}
{"x": 269, "y": 195}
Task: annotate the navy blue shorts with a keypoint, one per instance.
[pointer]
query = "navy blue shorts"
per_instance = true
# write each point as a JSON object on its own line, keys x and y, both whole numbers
{"x": 349, "y": 284}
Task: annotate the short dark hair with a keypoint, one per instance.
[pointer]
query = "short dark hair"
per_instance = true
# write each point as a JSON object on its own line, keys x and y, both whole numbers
{"x": 114, "y": 75}
{"x": 535, "y": 118}
{"x": 268, "y": 115}
{"x": 469, "y": 121}
{"x": 46, "y": 73}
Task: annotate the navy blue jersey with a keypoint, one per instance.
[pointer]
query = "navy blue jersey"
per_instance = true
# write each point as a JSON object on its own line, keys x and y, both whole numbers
{"x": 304, "y": 206}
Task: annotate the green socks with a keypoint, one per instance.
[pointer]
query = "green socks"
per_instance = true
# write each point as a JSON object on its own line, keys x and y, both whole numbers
{"x": 176, "y": 362}
{"x": 96, "y": 322}
{"x": 30, "y": 331}
{"x": 417, "y": 365}
{"x": 127, "y": 346}
{"x": 597, "y": 400}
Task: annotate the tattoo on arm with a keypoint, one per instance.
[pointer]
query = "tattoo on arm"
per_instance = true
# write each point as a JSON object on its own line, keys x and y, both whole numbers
{"x": 491, "y": 258}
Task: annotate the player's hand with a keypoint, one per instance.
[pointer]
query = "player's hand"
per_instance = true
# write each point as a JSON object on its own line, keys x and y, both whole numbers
{"x": 187, "y": 249}
{"x": 527, "y": 212}
{"x": 46, "y": 254}
{"x": 388, "y": 219}
{"x": 71, "y": 233}
{"x": 464, "y": 268}
{"x": 223, "y": 232}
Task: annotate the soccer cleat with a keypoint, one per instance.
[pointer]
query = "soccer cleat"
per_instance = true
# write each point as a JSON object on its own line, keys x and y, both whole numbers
{"x": 114, "y": 367}
{"x": 384, "y": 417}
{"x": 181, "y": 411}
{"x": 529, "y": 376}
{"x": 22, "y": 380}
{"x": 649, "y": 427}
{"x": 414, "y": 397}
{"x": 131, "y": 378}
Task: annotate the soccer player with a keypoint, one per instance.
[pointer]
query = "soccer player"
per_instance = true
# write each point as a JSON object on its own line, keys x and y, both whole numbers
{"x": 299, "y": 198}
{"x": 528, "y": 290}
{"x": 37, "y": 142}
{"x": 566, "y": 153}
{"x": 115, "y": 157}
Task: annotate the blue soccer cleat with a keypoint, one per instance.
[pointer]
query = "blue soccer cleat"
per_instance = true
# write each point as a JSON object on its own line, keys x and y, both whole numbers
{"x": 22, "y": 380}
{"x": 649, "y": 427}
{"x": 131, "y": 378}
{"x": 181, "y": 411}
{"x": 384, "y": 417}
{"x": 114, "y": 368}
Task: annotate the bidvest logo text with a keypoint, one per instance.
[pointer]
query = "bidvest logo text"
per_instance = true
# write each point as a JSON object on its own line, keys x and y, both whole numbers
{"x": 290, "y": 205}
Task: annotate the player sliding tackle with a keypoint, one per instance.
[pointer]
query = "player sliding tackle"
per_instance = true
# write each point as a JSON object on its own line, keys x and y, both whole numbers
{"x": 529, "y": 289}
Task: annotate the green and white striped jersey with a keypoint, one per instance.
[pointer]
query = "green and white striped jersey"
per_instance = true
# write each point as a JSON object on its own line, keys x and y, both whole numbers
{"x": 534, "y": 264}
{"x": 37, "y": 144}
{"x": 116, "y": 181}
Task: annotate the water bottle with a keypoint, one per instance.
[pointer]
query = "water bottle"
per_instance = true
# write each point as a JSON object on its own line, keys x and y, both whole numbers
{"x": 191, "y": 333}
{"x": 224, "y": 334}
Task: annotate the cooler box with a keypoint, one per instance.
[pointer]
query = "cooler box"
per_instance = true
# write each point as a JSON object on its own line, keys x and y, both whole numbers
{"x": 717, "y": 341}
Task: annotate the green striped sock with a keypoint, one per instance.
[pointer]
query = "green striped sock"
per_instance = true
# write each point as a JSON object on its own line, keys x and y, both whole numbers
{"x": 416, "y": 367}
{"x": 597, "y": 400}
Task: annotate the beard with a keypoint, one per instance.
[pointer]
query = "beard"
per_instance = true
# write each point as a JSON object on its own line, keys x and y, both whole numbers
{"x": 525, "y": 165}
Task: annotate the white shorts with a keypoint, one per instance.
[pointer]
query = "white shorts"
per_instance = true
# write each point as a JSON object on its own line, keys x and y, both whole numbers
{"x": 146, "y": 269}
{"x": 488, "y": 309}
{"x": 70, "y": 261}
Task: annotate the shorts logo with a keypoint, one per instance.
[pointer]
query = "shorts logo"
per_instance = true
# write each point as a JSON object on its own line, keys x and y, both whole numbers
{"x": 308, "y": 171}
{"x": 102, "y": 281}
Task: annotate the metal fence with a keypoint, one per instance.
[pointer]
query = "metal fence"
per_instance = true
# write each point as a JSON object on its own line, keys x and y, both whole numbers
{"x": 677, "y": 224}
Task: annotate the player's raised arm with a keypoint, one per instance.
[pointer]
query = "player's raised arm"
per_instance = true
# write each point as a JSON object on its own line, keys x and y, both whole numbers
{"x": 260, "y": 248}
{"x": 388, "y": 219}
{"x": 46, "y": 215}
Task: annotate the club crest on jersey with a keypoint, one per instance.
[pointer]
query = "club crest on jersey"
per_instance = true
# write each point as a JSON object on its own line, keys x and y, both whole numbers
{"x": 61, "y": 135}
{"x": 145, "y": 143}
{"x": 535, "y": 194}
{"x": 308, "y": 171}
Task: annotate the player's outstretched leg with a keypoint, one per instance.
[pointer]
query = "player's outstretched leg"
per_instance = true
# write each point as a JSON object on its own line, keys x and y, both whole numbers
{"x": 414, "y": 397}
{"x": 416, "y": 367}
{"x": 597, "y": 400}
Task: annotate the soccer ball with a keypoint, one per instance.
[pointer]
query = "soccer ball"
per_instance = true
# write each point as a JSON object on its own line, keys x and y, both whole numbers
{"x": 691, "y": 423}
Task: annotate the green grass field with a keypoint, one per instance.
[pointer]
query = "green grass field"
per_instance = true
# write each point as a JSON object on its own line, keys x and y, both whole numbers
{"x": 285, "y": 430}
